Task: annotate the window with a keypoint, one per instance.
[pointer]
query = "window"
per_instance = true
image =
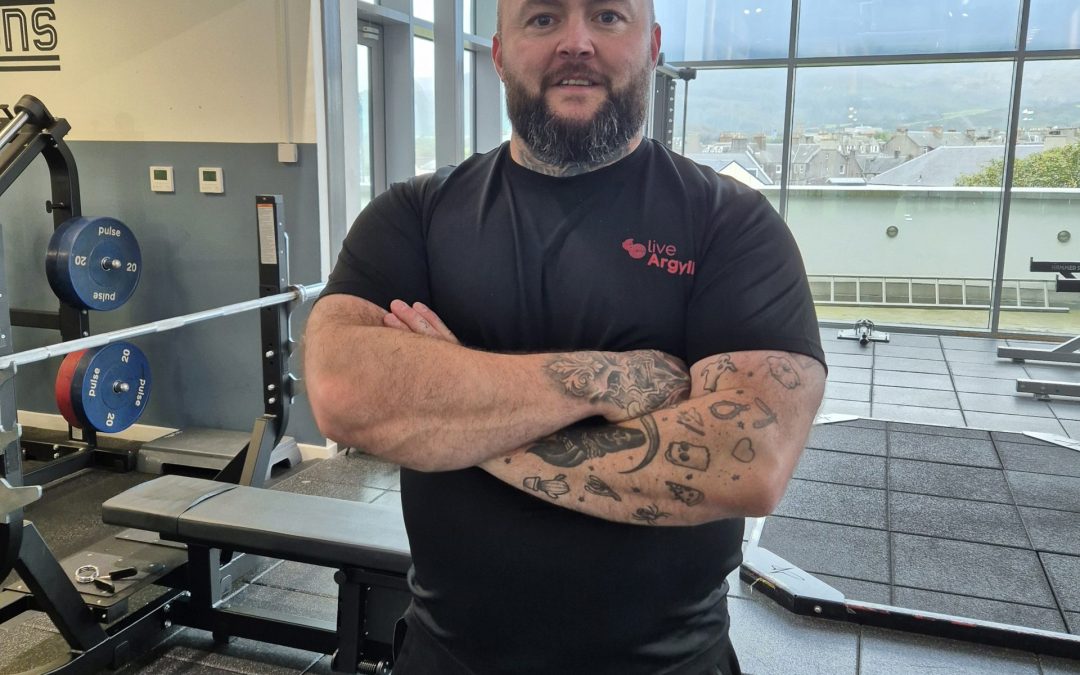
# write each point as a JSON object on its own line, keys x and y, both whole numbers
{"x": 424, "y": 93}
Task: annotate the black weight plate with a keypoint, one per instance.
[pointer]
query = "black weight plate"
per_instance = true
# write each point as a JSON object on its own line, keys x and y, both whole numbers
{"x": 93, "y": 263}
{"x": 99, "y": 394}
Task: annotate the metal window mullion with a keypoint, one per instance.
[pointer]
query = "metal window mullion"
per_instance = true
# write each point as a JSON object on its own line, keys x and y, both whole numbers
{"x": 377, "y": 92}
{"x": 449, "y": 83}
{"x": 789, "y": 108}
{"x": 1007, "y": 176}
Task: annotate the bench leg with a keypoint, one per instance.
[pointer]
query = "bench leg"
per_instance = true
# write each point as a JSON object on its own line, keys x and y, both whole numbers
{"x": 352, "y": 598}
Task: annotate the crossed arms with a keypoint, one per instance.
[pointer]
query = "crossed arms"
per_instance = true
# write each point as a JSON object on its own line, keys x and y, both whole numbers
{"x": 679, "y": 447}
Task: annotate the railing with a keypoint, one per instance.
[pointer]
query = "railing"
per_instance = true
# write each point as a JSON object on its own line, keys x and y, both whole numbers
{"x": 849, "y": 290}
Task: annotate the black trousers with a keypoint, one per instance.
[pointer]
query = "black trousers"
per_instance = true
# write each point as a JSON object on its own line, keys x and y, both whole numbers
{"x": 415, "y": 653}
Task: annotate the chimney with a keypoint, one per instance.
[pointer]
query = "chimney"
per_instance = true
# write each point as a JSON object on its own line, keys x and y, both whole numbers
{"x": 738, "y": 143}
{"x": 759, "y": 142}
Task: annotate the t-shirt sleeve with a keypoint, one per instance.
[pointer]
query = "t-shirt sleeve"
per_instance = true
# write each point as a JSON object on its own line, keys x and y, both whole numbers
{"x": 750, "y": 289}
{"x": 383, "y": 256}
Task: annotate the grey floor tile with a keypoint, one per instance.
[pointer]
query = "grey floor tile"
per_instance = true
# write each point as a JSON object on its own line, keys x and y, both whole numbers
{"x": 938, "y": 430}
{"x": 948, "y": 480}
{"x": 241, "y": 655}
{"x": 911, "y": 340}
{"x": 866, "y": 423}
{"x": 965, "y": 451}
{"x": 896, "y": 378}
{"x": 356, "y": 468}
{"x": 902, "y": 352}
{"x": 926, "y": 398}
{"x": 967, "y": 607}
{"x": 1004, "y": 370}
{"x": 1045, "y": 458}
{"x": 968, "y": 356}
{"x": 1064, "y": 573}
{"x": 300, "y": 484}
{"x": 894, "y": 653}
{"x": 833, "y": 503}
{"x": 1073, "y": 619}
{"x": 852, "y": 552}
{"x": 971, "y": 344}
{"x": 984, "y": 385}
{"x": 296, "y": 576}
{"x": 1013, "y": 437}
{"x": 1053, "y": 665}
{"x": 1061, "y": 493}
{"x": 769, "y": 640}
{"x": 852, "y": 375}
{"x": 842, "y": 467}
{"x": 1053, "y": 372}
{"x": 845, "y": 438}
{"x": 1017, "y": 423}
{"x": 163, "y": 665}
{"x": 847, "y": 391}
{"x": 964, "y": 568}
{"x": 1005, "y": 405}
{"x": 23, "y": 647}
{"x": 833, "y": 345}
{"x": 1072, "y": 428}
{"x": 908, "y": 413}
{"x": 983, "y": 522}
{"x": 853, "y": 589}
{"x": 389, "y": 498}
{"x": 301, "y": 604}
{"x": 1065, "y": 408}
{"x": 850, "y": 360}
{"x": 840, "y": 407}
{"x": 910, "y": 365}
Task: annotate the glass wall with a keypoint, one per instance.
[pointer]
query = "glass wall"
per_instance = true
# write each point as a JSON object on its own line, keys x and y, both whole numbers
{"x": 894, "y": 141}
{"x": 424, "y": 102}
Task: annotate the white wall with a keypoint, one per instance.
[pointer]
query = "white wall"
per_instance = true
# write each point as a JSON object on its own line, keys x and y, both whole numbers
{"x": 235, "y": 71}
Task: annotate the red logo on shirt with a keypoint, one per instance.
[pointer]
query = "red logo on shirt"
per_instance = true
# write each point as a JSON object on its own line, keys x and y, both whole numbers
{"x": 659, "y": 255}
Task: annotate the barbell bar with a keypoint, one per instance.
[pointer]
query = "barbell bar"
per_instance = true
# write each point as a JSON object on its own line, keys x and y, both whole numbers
{"x": 300, "y": 293}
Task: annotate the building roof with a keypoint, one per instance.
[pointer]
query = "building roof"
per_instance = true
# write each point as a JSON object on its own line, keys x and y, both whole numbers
{"x": 942, "y": 166}
{"x": 877, "y": 164}
{"x": 928, "y": 139}
{"x": 717, "y": 161}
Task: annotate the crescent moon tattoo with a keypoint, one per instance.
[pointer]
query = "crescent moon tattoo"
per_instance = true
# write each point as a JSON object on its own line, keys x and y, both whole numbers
{"x": 654, "y": 443}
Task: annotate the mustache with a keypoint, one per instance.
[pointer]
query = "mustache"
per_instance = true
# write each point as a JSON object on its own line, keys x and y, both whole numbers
{"x": 575, "y": 73}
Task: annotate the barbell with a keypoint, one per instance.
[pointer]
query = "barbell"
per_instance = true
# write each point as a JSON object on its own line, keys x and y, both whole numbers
{"x": 105, "y": 381}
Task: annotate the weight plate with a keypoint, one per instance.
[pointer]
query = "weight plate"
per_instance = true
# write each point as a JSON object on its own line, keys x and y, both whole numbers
{"x": 93, "y": 263}
{"x": 111, "y": 386}
{"x": 63, "y": 388}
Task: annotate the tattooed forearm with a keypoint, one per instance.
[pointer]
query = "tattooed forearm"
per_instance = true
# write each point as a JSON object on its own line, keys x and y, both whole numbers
{"x": 688, "y": 455}
{"x": 770, "y": 416}
{"x": 784, "y": 372}
{"x": 573, "y": 446}
{"x": 554, "y": 487}
{"x": 691, "y": 419}
{"x": 717, "y": 367}
{"x": 635, "y": 382}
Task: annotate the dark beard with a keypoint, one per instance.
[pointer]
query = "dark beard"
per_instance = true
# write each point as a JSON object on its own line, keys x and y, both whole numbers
{"x": 560, "y": 142}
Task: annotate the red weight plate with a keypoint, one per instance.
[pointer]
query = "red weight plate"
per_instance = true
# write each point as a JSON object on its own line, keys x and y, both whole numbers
{"x": 63, "y": 388}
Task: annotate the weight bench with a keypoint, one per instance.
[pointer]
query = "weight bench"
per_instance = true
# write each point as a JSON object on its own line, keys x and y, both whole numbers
{"x": 366, "y": 543}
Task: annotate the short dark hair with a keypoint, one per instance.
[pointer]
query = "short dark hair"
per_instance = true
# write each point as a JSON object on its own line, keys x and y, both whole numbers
{"x": 498, "y": 15}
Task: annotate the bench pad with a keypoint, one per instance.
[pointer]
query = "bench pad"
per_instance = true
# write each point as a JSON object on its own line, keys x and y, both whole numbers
{"x": 306, "y": 528}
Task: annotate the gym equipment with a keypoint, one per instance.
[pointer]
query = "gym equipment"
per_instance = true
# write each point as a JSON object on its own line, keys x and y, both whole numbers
{"x": 863, "y": 332}
{"x": 1066, "y": 352}
{"x": 366, "y": 543}
{"x": 93, "y": 263}
{"x": 106, "y": 388}
{"x": 210, "y": 450}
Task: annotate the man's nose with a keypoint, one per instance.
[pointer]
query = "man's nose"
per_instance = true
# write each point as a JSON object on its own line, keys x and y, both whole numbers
{"x": 576, "y": 39}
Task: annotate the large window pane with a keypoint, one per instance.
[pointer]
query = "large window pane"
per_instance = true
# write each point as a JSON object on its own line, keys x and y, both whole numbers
{"x": 734, "y": 124}
{"x": 1044, "y": 216}
{"x": 424, "y": 93}
{"x": 425, "y": 9}
{"x": 706, "y": 30}
{"x": 469, "y": 92}
{"x": 1054, "y": 24}
{"x": 844, "y": 27}
{"x": 877, "y": 153}
{"x": 363, "y": 84}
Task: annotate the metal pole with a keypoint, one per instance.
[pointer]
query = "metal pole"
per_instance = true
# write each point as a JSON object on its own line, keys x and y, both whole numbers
{"x": 13, "y": 127}
{"x": 298, "y": 293}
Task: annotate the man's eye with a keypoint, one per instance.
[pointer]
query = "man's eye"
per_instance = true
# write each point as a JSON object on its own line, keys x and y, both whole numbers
{"x": 543, "y": 21}
{"x": 607, "y": 18}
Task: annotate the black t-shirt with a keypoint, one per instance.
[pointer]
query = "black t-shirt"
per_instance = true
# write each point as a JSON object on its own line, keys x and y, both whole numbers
{"x": 652, "y": 252}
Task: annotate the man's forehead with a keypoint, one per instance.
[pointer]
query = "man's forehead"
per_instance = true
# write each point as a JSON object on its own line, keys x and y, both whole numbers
{"x": 523, "y": 5}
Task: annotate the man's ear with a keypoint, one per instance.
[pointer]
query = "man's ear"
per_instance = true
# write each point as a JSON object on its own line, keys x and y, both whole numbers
{"x": 496, "y": 54}
{"x": 655, "y": 43}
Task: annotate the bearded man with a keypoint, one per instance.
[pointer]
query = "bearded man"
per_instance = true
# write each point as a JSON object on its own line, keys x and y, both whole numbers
{"x": 515, "y": 333}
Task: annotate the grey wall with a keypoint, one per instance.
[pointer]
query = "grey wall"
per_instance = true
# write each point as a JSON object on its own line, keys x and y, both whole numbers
{"x": 199, "y": 251}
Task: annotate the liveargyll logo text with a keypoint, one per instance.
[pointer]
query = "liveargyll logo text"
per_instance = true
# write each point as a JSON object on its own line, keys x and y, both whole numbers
{"x": 28, "y": 37}
{"x": 659, "y": 255}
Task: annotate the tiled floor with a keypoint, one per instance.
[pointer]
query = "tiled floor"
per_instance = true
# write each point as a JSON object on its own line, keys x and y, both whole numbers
{"x": 916, "y": 378}
{"x": 953, "y": 381}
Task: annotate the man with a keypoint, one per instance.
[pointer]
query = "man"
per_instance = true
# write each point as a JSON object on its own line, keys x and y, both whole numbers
{"x": 514, "y": 332}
